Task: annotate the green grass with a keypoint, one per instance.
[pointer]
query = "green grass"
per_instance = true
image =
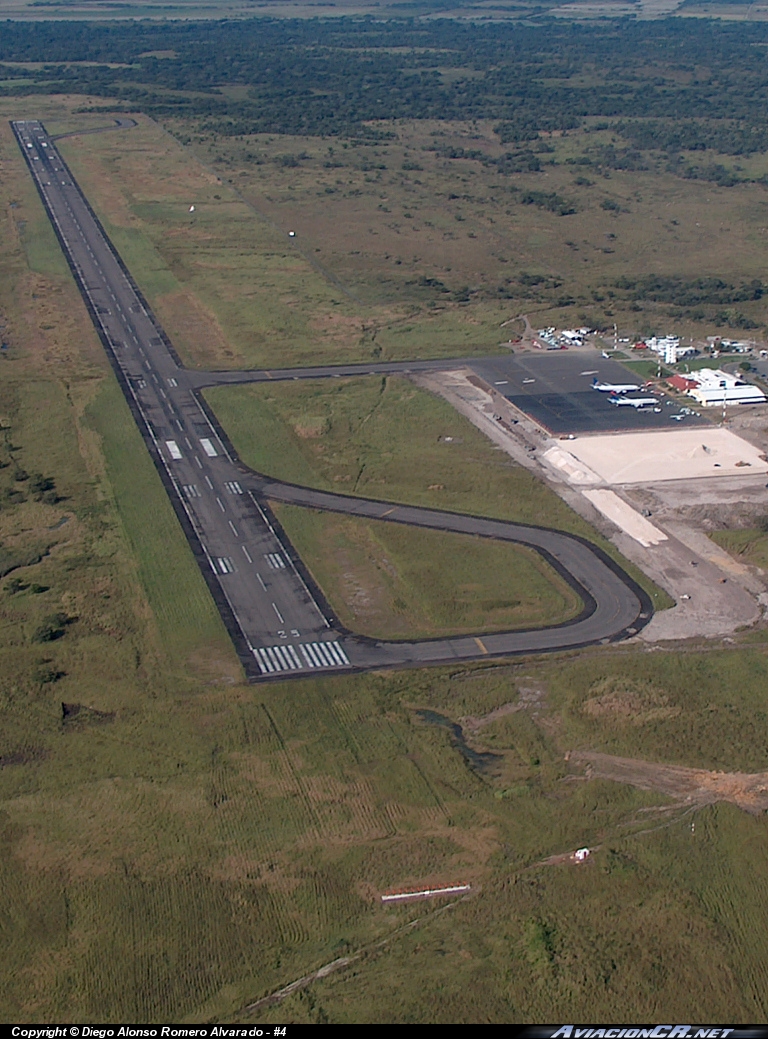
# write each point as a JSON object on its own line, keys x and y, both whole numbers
{"x": 202, "y": 846}
{"x": 262, "y": 300}
{"x": 390, "y": 581}
{"x": 647, "y": 368}
{"x": 228, "y": 843}
{"x": 384, "y": 438}
{"x": 452, "y": 242}
{"x": 363, "y": 280}
{"x": 42, "y": 248}
{"x": 198, "y": 844}
{"x": 559, "y": 941}
{"x": 750, "y": 546}
{"x": 140, "y": 256}
{"x": 710, "y": 362}
{"x": 187, "y": 618}
{"x": 25, "y": 214}
{"x": 712, "y": 715}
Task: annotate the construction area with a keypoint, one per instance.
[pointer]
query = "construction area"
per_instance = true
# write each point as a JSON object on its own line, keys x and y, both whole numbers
{"x": 676, "y": 454}
{"x": 653, "y": 486}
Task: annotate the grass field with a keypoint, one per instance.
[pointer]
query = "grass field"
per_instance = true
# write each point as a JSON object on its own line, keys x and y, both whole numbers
{"x": 399, "y": 220}
{"x": 385, "y": 438}
{"x": 35, "y": 10}
{"x": 189, "y": 625}
{"x": 230, "y": 286}
{"x": 176, "y": 844}
{"x": 389, "y": 581}
{"x": 400, "y": 251}
{"x": 750, "y": 546}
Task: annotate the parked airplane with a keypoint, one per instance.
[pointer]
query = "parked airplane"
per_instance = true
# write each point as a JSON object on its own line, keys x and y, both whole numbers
{"x": 609, "y": 387}
{"x": 633, "y": 402}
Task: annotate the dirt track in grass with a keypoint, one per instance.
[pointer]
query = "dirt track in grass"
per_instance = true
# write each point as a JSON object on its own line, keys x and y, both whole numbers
{"x": 696, "y": 786}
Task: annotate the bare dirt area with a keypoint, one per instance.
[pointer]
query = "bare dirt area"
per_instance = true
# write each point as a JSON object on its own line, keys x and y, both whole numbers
{"x": 530, "y": 698}
{"x": 679, "y": 454}
{"x": 694, "y": 786}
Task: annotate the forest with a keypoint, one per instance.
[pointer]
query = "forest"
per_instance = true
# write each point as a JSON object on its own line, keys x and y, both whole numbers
{"x": 666, "y": 85}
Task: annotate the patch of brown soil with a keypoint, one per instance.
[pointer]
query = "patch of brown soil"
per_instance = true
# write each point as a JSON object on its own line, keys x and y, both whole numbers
{"x": 331, "y": 325}
{"x": 269, "y": 777}
{"x": 569, "y": 857}
{"x": 44, "y": 856}
{"x": 58, "y": 331}
{"x": 529, "y": 698}
{"x": 695, "y": 786}
{"x": 216, "y": 667}
{"x": 627, "y": 701}
{"x": 310, "y": 427}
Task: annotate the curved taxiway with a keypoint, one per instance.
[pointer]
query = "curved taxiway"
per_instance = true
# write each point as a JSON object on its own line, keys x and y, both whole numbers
{"x": 277, "y": 617}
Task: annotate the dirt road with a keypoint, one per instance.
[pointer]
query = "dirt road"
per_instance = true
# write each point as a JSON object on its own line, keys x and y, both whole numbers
{"x": 694, "y": 786}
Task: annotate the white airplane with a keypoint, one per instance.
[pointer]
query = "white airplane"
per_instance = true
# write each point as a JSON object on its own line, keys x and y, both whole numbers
{"x": 609, "y": 387}
{"x": 633, "y": 402}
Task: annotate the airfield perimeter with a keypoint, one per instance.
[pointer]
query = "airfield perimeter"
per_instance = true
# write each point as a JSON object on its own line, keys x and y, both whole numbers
{"x": 278, "y": 619}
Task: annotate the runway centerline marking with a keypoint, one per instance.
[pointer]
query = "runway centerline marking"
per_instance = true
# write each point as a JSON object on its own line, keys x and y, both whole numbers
{"x": 622, "y": 604}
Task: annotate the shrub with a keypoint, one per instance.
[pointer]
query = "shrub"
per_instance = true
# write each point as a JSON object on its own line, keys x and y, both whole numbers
{"x": 52, "y": 628}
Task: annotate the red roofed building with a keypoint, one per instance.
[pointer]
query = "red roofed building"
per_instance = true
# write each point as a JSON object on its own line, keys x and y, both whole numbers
{"x": 681, "y": 383}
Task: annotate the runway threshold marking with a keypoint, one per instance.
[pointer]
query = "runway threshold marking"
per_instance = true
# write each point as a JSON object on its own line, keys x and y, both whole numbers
{"x": 313, "y": 652}
{"x": 272, "y": 659}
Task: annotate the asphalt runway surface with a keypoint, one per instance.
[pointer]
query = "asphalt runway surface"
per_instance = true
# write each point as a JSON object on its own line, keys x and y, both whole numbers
{"x": 236, "y": 377}
{"x": 554, "y": 387}
{"x": 278, "y": 619}
{"x": 121, "y": 123}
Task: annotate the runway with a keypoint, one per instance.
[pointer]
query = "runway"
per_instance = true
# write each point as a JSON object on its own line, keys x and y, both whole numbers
{"x": 278, "y": 619}
{"x": 235, "y": 377}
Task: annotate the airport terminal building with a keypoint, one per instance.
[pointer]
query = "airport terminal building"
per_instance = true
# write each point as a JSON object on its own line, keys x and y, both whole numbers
{"x": 713, "y": 387}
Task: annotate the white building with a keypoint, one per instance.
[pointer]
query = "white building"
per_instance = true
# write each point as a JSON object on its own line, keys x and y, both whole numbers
{"x": 661, "y": 344}
{"x": 572, "y": 336}
{"x": 715, "y": 387}
{"x": 669, "y": 347}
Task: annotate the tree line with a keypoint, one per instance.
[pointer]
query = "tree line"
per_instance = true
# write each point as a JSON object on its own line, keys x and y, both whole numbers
{"x": 666, "y": 85}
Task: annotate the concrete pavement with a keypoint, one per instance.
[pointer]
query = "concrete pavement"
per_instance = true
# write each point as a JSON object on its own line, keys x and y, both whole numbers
{"x": 278, "y": 619}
